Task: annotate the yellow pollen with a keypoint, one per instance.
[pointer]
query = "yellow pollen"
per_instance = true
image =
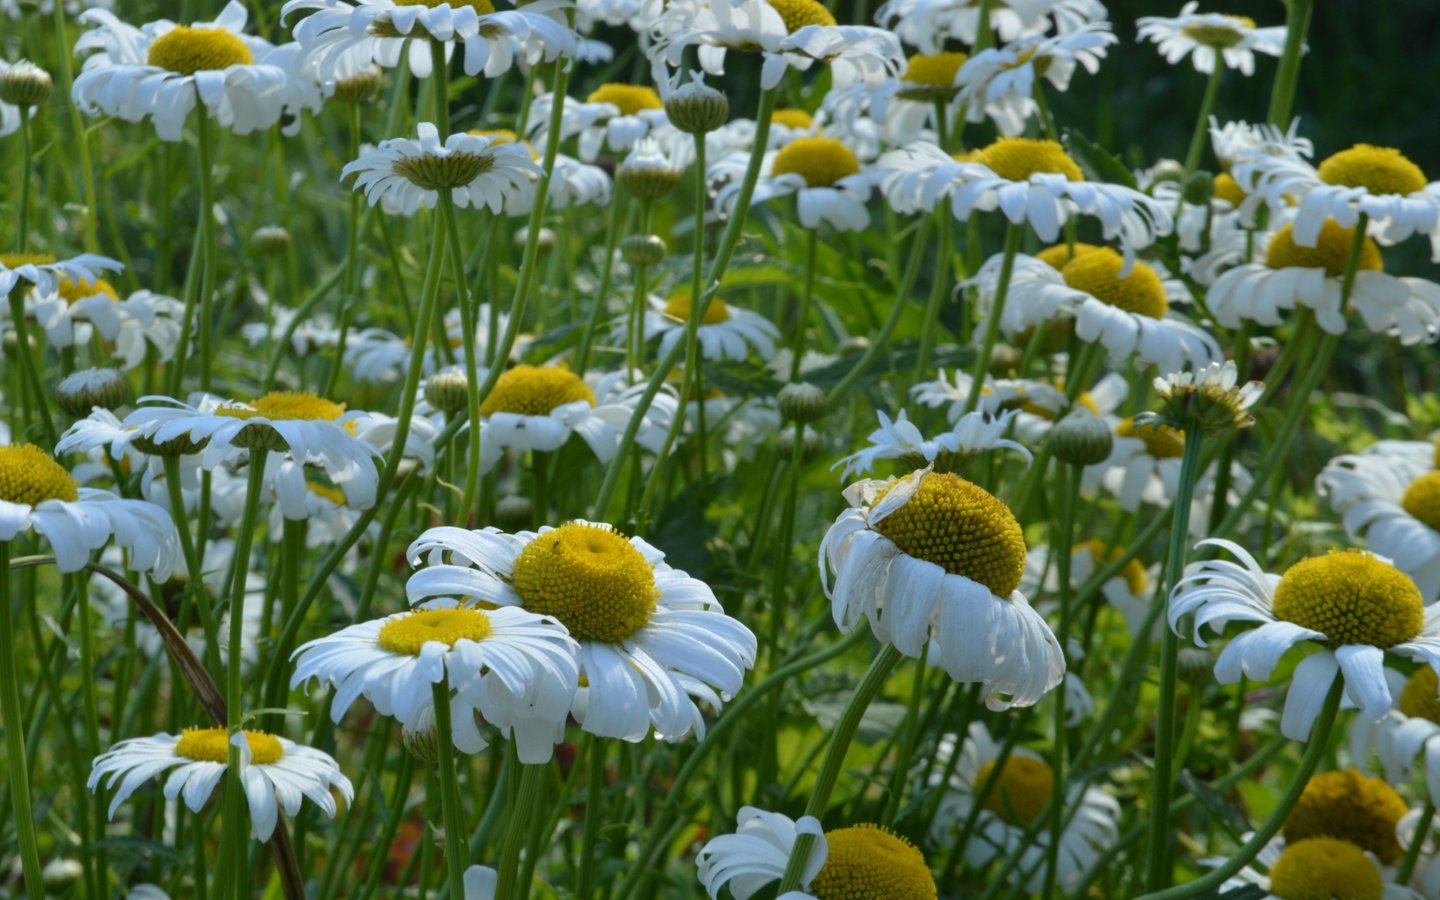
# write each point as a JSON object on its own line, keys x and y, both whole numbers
{"x": 31, "y": 476}
{"x": 409, "y": 633}
{"x": 213, "y": 745}
{"x": 334, "y": 495}
{"x": 589, "y": 577}
{"x": 1422, "y": 499}
{"x": 1016, "y": 159}
{"x": 1331, "y": 251}
{"x": 16, "y": 260}
{"x": 481, "y": 7}
{"x": 1325, "y": 869}
{"x": 189, "y": 50}
{"x": 1379, "y": 170}
{"x": 1022, "y": 790}
{"x": 501, "y": 136}
{"x": 1349, "y": 806}
{"x": 536, "y": 391}
{"x": 934, "y": 69}
{"x": 1228, "y": 189}
{"x": 794, "y": 119}
{"x": 292, "y": 405}
{"x": 1421, "y": 697}
{"x": 868, "y": 862}
{"x": 678, "y": 308}
{"x": 1352, "y": 598}
{"x": 1034, "y": 407}
{"x": 74, "y": 291}
{"x": 1220, "y": 36}
{"x": 961, "y": 528}
{"x": 1058, "y": 255}
{"x": 1097, "y": 273}
{"x": 1161, "y": 441}
{"x": 798, "y": 13}
{"x": 1132, "y": 572}
{"x": 628, "y": 98}
{"x": 821, "y": 161}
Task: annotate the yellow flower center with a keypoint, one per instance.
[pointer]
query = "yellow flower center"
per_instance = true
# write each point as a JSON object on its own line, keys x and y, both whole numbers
{"x": 1132, "y": 572}
{"x": 409, "y": 633}
{"x": 1161, "y": 441}
{"x": 1349, "y": 806}
{"x": 590, "y": 578}
{"x": 628, "y": 98}
{"x": 1016, "y": 159}
{"x": 934, "y": 69}
{"x": 678, "y": 308}
{"x": 1022, "y": 790}
{"x": 1325, "y": 869}
{"x": 213, "y": 745}
{"x": 961, "y": 528}
{"x": 1219, "y": 36}
{"x": 189, "y": 50}
{"x": 794, "y": 119}
{"x": 1352, "y": 598}
{"x": 74, "y": 291}
{"x": 16, "y": 260}
{"x": 1420, "y": 698}
{"x": 1228, "y": 189}
{"x": 481, "y": 7}
{"x": 1379, "y": 170}
{"x": 1029, "y": 404}
{"x": 1330, "y": 252}
{"x": 1097, "y": 273}
{"x": 31, "y": 476}
{"x": 868, "y": 862}
{"x": 535, "y": 391}
{"x": 500, "y": 136}
{"x": 293, "y": 405}
{"x": 334, "y": 495}
{"x": 821, "y": 161}
{"x": 798, "y": 13}
{"x": 1422, "y": 499}
{"x": 1058, "y": 255}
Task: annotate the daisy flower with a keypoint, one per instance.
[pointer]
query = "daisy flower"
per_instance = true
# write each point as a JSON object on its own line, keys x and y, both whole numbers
{"x": 1000, "y": 82}
{"x": 930, "y": 24}
{"x": 726, "y": 332}
{"x": 653, "y": 640}
{"x": 1204, "y": 36}
{"x": 517, "y": 669}
{"x": 612, "y": 117}
{"x": 1389, "y": 496}
{"x": 1144, "y": 467}
{"x": 161, "y": 70}
{"x": 276, "y": 773}
{"x": 933, "y": 558}
{"x": 862, "y": 860}
{"x": 378, "y": 356}
{"x": 1234, "y": 141}
{"x": 379, "y": 31}
{"x": 970, "y": 436}
{"x": 1030, "y": 181}
{"x": 1410, "y": 728}
{"x": 1355, "y": 604}
{"x": 46, "y": 273}
{"x": 477, "y": 171}
{"x": 38, "y": 494}
{"x": 1131, "y": 591}
{"x": 1331, "y": 866}
{"x": 900, "y": 109}
{"x": 822, "y": 173}
{"x": 1020, "y": 793}
{"x": 144, "y": 319}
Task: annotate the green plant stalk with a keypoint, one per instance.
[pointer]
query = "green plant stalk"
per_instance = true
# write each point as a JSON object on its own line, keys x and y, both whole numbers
{"x": 393, "y": 814}
{"x": 1315, "y": 750}
{"x": 24, "y": 225}
{"x": 64, "y": 80}
{"x": 450, "y": 807}
{"x": 351, "y": 266}
{"x": 207, "y": 239}
{"x": 1158, "y": 865}
{"x": 1013, "y": 233}
{"x": 1287, "y": 73}
{"x": 28, "y": 364}
{"x": 18, "y": 764}
{"x": 945, "y": 255}
{"x": 194, "y": 566}
{"x": 635, "y": 320}
{"x": 607, "y": 270}
{"x": 1417, "y": 843}
{"x": 594, "y": 782}
{"x": 840, "y": 739}
{"x": 1202, "y": 121}
{"x": 807, "y": 297}
{"x": 526, "y": 797}
{"x": 472, "y": 389}
{"x": 1067, "y": 488}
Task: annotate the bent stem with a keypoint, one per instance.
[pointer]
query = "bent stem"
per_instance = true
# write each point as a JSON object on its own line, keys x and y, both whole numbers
{"x": 1013, "y": 233}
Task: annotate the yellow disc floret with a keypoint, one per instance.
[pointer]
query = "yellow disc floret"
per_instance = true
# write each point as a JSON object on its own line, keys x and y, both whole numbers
{"x": 868, "y": 862}
{"x": 408, "y": 633}
{"x": 1161, "y": 441}
{"x": 1097, "y": 273}
{"x": 792, "y": 118}
{"x": 630, "y": 99}
{"x": 74, "y": 291}
{"x": 1219, "y": 36}
{"x": 292, "y": 405}
{"x": 1352, "y": 598}
{"x": 821, "y": 161}
{"x": 16, "y": 260}
{"x": 189, "y": 50}
{"x": 1228, "y": 189}
{"x": 1016, "y": 159}
{"x": 798, "y": 13}
{"x": 589, "y": 577}
{"x": 213, "y": 745}
{"x": 1379, "y": 170}
{"x": 31, "y": 476}
{"x": 1420, "y": 698}
{"x": 678, "y": 308}
{"x": 481, "y": 7}
{"x": 1057, "y": 255}
{"x": 1325, "y": 869}
{"x": 1022, "y": 790}
{"x": 1422, "y": 499}
{"x": 961, "y": 528}
{"x": 1331, "y": 251}
{"x": 1133, "y": 573}
{"x": 934, "y": 69}
{"x": 535, "y": 391}
{"x": 334, "y": 495}
{"x": 1352, "y": 807}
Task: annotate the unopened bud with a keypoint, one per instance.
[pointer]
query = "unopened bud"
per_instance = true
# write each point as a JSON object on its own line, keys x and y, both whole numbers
{"x": 1194, "y": 666}
{"x": 1199, "y": 188}
{"x": 812, "y": 444}
{"x": 271, "y": 240}
{"x": 25, "y": 84}
{"x": 60, "y": 874}
{"x": 359, "y": 87}
{"x": 80, "y": 392}
{"x": 697, "y": 108}
{"x": 420, "y": 739}
{"x": 643, "y": 249}
{"x": 801, "y": 402}
{"x": 1081, "y": 438}
{"x": 514, "y": 512}
{"x": 544, "y": 243}
{"x": 1166, "y": 170}
{"x": 447, "y": 391}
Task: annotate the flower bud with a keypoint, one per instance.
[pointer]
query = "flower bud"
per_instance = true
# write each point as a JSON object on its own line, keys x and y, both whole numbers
{"x": 801, "y": 402}
{"x": 1194, "y": 666}
{"x": 1199, "y": 188}
{"x": 643, "y": 249}
{"x": 697, "y": 108}
{"x": 79, "y": 392}
{"x": 813, "y": 445}
{"x": 271, "y": 240}
{"x": 647, "y": 173}
{"x": 1081, "y": 438}
{"x": 359, "y": 87}
{"x": 59, "y": 874}
{"x": 1166, "y": 170}
{"x": 421, "y": 740}
{"x": 544, "y": 243}
{"x": 514, "y": 512}
{"x": 25, "y": 84}
{"x": 448, "y": 391}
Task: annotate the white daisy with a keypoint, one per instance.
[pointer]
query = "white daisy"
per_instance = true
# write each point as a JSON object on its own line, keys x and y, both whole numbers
{"x": 1203, "y": 36}
{"x": 1131, "y": 591}
{"x": 970, "y": 436}
{"x": 143, "y": 319}
{"x": 948, "y": 574}
{"x": 46, "y": 273}
{"x": 161, "y": 70}
{"x": 726, "y": 331}
{"x": 1404, "y": 733}
{"x": 276, "y": 773}
{"x": 929, "y": 24}
{"x": 1315, "y": 864}
{"x": 822, "y": 173}
{"x": 653, "y": 640}
{"x": 515, "y": 668}
{"x": 407, "y": 174}
{"x": 1366, "y": 607}
{"x": 612, "y": 117}
{"x": 1144, "y": 467}
{"x": 1000, "y": 82}
{"x": 378, "y": 356}
{"x": 1236, "y": 140}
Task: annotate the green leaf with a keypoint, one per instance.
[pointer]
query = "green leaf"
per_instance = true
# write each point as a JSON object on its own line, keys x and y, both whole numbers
{"x": 1099, "y": 164}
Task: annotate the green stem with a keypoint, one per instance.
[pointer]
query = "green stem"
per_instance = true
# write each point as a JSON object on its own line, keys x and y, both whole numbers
{"x": 802, "y": 316}
{"x": 63, "y": 82}
{"x": 450, "y": 808}
{"x": 594, "y": 784}
{"x": 1202, "y": 122}
{"x": 938, "y": 289}
{"x": 28, "y": 364}
{"x": 1287, "y": 73}
{"x": 349, "y": 298}
{"x": 1417, "y": 843}
{"x": 17, "y": 763}
{"x": 1013, "y": 233}
{"x": 607, "y": 269}
{"x": 1067, "y": 488}
{"x": 207, "y": 240}
{"x": 24, "y": 180}
{"x": 467, "y": 338}
{"x": 526, "y": 797}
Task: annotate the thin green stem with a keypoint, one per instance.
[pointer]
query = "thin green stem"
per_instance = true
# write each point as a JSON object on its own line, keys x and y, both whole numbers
{"x": 1013, "y": 233}
{"x": 450, "y": 807}
{"x": 17, "y": 763}
{"x": 1202, "y": 121}
{"x": 525, "y": 800}
{"x": 207, "y": 240}
{"x": 28, "y": 364}
{"x": 594, "y": 784}
{"x": 1067, "y": 488}
{"x": 807, "y": 296}
{"x": 1287, "y": 73}
{"x": 939, "y": 288}
{"x": 1417, "y": 843}
{"x": 25, "y": 177}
